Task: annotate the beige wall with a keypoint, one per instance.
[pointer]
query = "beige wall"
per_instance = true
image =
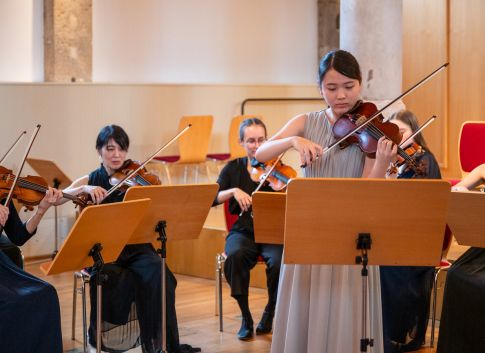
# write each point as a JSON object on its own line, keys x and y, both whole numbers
{"x": 72, "y": 114}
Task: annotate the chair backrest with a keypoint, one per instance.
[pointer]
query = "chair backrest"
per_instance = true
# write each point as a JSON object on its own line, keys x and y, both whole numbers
{"x": 471, "y": 145}
{"x": 229, "y": 217}
{"x": 194, "y": 144}
{"x": 235, "y": 149}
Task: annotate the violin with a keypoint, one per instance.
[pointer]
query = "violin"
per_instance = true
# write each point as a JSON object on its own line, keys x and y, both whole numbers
{"x": 30, "y": 190}
{"x": 142, "y": 177}
{"x": 278, "y": 178}
{"x": 368, "y": 136}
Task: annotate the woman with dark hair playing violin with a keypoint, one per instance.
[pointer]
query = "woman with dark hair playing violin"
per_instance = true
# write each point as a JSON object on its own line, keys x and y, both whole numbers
{"x": 236, "y": 185}
{"x": 406, "y": 290}
{"x": 427, "y": 166}
{"x": 30, "y": 318}
{"x": 318, "y": 305}
{"x": 132, "y": 294}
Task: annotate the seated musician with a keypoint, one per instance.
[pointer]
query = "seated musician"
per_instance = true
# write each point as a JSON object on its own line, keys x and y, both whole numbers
{"x": 29, "y": 307}
{"x": 463, "y": 313}
{"x": 133, "y": 290}
{"x": 236, "y": 186}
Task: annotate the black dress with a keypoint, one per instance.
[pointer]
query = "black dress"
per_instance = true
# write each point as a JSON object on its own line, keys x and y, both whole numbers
{"x": 406, "y": 290}
{"x": 241, "y": 250}
{"x": 462, "y": 324}
{"x": 132, "y": 295}
{"x": 29, "y": 307}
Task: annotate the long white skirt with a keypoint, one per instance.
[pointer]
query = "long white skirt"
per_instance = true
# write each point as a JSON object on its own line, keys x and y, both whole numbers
{"x": 319, "y": 310}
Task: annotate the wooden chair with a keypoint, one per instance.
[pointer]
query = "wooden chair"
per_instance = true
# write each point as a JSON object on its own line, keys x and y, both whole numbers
{"x": 193, "y": 146}
{"x": 235, "y": 148}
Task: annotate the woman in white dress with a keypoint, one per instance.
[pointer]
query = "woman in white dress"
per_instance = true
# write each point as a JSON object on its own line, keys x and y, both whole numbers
{"x": 319, "y": 306}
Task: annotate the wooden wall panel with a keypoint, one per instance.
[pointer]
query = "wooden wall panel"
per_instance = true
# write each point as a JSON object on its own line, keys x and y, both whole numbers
{"x": 425, "y": 49}
{"x": 467, "y": 69}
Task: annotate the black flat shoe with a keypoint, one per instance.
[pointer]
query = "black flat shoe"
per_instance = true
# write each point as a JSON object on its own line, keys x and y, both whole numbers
{"x": 246, "y": 331}
{"x": 266, "y": 323}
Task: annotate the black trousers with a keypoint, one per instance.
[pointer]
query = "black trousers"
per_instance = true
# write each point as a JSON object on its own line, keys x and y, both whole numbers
{"x": 135, "y": 278}
{"x": 242, "y": 255}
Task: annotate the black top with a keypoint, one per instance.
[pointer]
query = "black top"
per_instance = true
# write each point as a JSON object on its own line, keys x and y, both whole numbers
{"x": 15, "y": 229}
{"x": 235, "y": 175}
{"x": 430, "y": 168}
{"x": 100, "y": 177}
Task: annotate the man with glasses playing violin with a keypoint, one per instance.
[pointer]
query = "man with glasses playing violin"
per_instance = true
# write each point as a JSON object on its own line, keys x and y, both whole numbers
{"x": 236, "y": 187}
{"x": 29, "y": 308}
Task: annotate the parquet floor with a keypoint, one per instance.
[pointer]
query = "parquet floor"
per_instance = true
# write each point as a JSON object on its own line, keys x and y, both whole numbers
{"x": 198, "y": 325}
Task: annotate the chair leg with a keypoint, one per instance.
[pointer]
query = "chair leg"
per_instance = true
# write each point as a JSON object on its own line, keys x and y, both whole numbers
{"x": 167, "y": 171}
{"x": 208, "y": 172}
{"x": 74, "y": 293}
{"x": 433, "y": 312}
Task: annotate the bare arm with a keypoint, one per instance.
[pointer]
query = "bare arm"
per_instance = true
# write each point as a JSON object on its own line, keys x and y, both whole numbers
{"x": 243, "y": 199}
{"x": 475, "y": 178}
{"x": 377, "y": 168}
{"x": 290, "y": 136}
{"x": 81, "y": 185}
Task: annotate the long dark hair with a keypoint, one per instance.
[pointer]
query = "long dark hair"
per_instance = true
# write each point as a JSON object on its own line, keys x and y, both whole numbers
{"x": 248, "y": 122}
{"x": 341, "y": 61}
{"x": 410, "y": 119}
{"x": 114, "y": 132}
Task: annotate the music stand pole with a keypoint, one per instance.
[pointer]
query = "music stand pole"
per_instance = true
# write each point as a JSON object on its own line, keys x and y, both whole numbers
{"x": 95, "y": 253}
{"x": 55, "y": 184}
{"x": 160, "y": 228}
{"x": 364, "y": 242}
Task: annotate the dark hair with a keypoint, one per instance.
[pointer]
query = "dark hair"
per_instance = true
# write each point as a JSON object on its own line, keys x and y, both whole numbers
{"x": 341, "y": 61}
{"x": 410, "y": 119}
{"x": 114, "y": 132}
{"x": 248, "y": 122}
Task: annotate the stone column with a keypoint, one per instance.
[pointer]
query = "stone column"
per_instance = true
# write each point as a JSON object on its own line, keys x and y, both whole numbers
{"x": 68, "y": 40}
{"x": 372, "y": 31}
{"x": 328, "y": 26}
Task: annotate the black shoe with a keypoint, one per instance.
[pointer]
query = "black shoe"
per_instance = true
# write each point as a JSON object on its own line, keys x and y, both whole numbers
{"x": 187, "y": 348}
{"x": 246, "y": 331}
{"x": 266, "y": 323}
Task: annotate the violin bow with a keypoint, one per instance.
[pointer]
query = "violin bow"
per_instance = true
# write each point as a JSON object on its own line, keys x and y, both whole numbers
{"x": 13, "y": 146}
{"x": 421, "y": 128}
{"x": 16, "y": 179}
{"x": 377, "y": 113}
{"x": 172, "y": 140}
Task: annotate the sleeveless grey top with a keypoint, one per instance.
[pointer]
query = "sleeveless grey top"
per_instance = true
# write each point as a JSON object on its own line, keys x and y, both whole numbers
{"x": 337, "y": 163}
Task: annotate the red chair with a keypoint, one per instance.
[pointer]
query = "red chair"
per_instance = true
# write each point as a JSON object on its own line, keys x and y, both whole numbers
{"x": 220, "y": 259}
{"x": 471, "y": 145}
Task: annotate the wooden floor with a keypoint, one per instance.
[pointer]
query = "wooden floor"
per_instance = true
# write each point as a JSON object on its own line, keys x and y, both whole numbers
{"x": 198, "y": 325}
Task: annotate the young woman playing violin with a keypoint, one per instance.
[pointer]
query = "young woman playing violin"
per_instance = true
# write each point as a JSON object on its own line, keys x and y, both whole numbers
{"x": 318, "y": 305}
{"x": 405, "y": 315}
{"x": 30, "y": 318}
{"x": 236, "y": 186}
{"x": 132, "y": 290}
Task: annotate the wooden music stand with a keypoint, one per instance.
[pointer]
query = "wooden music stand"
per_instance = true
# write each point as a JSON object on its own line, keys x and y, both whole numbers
{"x": 365, "y": 221}
{"x": 99, "y": 235}
{"x": 56, "y": 178}
{"x": 465, "y": 218}
{"x": 269, "y": 210}
{"x": 177, "y": 212}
